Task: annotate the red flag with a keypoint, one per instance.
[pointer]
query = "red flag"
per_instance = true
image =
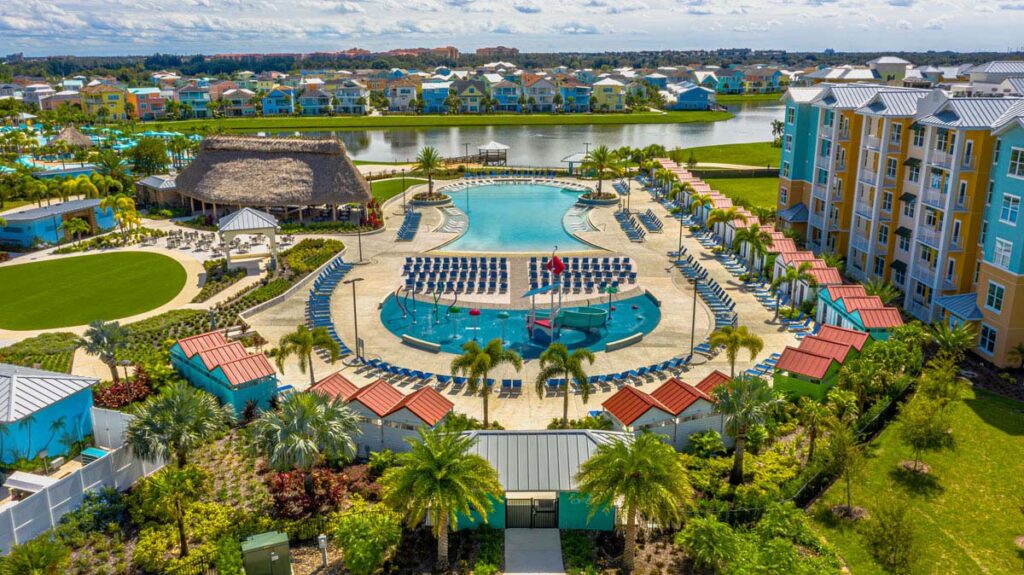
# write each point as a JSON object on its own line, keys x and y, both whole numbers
{"x": 555, "y": 266}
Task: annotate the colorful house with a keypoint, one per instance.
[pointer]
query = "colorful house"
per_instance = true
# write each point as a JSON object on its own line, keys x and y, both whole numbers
{"x": 197, "y": 98}
{"x": 238, "y": 103}
{"x": 608, "y": 95}
{"x": 279, "y": 101}
{"x": 849, "y": 306}
{"x": 471, "y": 94}
{"x": 352, "y": 96}
{"x": 674, "y": 410}
{"x": 105, "y": 96}
{"x": 42, "y": 410}
{"x": 30, "y": 227}
{"x": 225, "y": 369}
{"x": 434, "y": 96}
{"x": 315, "y": 102}
{"x": 540, "y": 92}
{"x": 799, "y": 372}
{"x": 575, "y": 95}
{"x": 147, "y": 103}
{"x": 506, "y": 96}
{"x": 688, "y": 96}
{"x": 401, "y": 92}
{"x": 761, "y": 80}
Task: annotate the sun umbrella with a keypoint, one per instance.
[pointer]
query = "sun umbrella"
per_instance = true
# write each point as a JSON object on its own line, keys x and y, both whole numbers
{"x": 475, "y": 314}
{"x": 611, "y": 290}
{"x": 503, "y": 315}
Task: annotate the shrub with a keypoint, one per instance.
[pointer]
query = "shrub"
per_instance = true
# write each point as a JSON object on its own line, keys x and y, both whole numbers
{"x": 706, "y": 444}
{"x": 708, "y": 542}
{"x": 228, "y": 560}
{"x": 891, "y": 537}
{"x": 369, "y": 536}
{"x": 358, "y": 480}
{"x": 381, "y": 461}
{"x": 310, "y": 254}
{"x": 153, "y": 548}
{"x": 123, "y": 393}
{"x": 292, "y": 500}
{"x": 577, "y": 552}
{"x": 98, "y": 510}
{"x": 42, "y": 555}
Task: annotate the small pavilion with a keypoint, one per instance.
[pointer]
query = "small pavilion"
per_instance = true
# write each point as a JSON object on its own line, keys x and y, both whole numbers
{"x": 251, "y": 222}
{"x": 574, "y": 160}
{"x": 493, "y": 154}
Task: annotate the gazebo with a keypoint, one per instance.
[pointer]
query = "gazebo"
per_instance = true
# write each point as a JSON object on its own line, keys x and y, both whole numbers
{"x": 73, "y": 138}
{"x": 247, "y": 221}
{"x": 574, "y": 160}
{"x": 493, "y": 154}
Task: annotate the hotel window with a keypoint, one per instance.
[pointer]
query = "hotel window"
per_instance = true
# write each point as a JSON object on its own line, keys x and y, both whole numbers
{"x": 897, "y": 133}
{"x": 904, "y": 244}
{"x": 908, "y": 209}
{"x": 914, "y": 175}
{"x": 995, "y": 150}
{"x": 988, "y": 194}
{"x": 785, "y": 169}
{"x": 790, "y": 115}
{"x": 783, "y": 195}
{"x": 987, "y": 339}
{"x": 883, "y": 234}
{"x": 789, "y": 143}
{"x": 984, "y": 232}
{"x": 1017, "y": 163}
{"x": 826, "y": 148}
{"x": 931, "y": 218}
{"x": 942, "y": 141}
{"x": 897, "y": 277}
{"x": 977, "y": 271}
{"x": 887, "y": 202}
{"x": 1003, "y": 252}
{"x": 890, "y": 168}
{"x": 918, "y": 137}
{"x": 1011, "y": 207}
{"x": 994, "y": 299}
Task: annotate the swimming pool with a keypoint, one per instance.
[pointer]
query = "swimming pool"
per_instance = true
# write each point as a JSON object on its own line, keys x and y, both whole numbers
{"x": 515, "y": 218}
{"x": 630, "y": 316}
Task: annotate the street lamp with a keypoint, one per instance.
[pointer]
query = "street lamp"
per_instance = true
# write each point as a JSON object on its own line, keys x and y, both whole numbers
{"x": 693, "y": 316}
{"x": 587, "y": 152}
{"x": 355, "y": 315}
{"x": 125, "y": 363}
{"x": 404, "y": 209}
{"x": 467, "y": 144}
{"x": 679, "y": 250}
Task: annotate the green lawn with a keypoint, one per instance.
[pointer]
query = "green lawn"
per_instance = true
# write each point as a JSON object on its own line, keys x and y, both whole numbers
{"x": 399, "y": 121}
{"x": 386, "y": 189}
{"x": 969, "y": 516}
{"x": 759, "y": 154}
{"x": 740, "y": 98}
{"x": 13, "y": 204}
{"x": 759, "y": 192}
{"x": 75, "y": 291}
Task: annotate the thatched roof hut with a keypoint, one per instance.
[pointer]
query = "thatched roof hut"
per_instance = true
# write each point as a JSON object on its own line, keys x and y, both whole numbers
{"x": 73, "y": 137}
{"x": 272, "y": 172}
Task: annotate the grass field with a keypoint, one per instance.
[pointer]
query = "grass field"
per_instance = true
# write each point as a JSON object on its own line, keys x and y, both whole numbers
{"x": 759, "y": 192}
{"x": 740, "y": 98}
{"x": 427, "y": 121}
{"x": 78, "y": 290}
{"x": 386, "y": 189}
{"x": 969, "y": 515}
{"x": 759, "y": 154}
{"x": 14, "y": 204}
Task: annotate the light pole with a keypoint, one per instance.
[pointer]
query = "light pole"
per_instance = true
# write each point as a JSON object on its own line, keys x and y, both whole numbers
{"x": 466, "y": 144}
{"x": 679, "y": 250}
{"x": 355, "y": 314}
{"x": 587, "y": 149}
{"x": 693, "y": 316}
{"x": 404, "y": 209}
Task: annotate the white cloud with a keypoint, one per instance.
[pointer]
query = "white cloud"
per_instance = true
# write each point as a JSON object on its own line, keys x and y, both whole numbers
{"x": 904, "y": 25}
{"x": 937, "y": 23}
{"x": 527, "y": 7}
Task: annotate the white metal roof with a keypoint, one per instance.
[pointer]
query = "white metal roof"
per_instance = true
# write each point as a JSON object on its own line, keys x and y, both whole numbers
{"x": 246, "y": 219}
{"x": 24, "y": 391}
{"x": 28, "y": 482}
{"x": 492, "y": 145}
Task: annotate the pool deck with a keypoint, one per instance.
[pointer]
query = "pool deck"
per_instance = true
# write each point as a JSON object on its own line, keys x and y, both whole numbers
{"x": 381, "y": 272}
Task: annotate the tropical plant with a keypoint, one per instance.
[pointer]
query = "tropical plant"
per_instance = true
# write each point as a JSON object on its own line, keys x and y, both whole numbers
{"x": 149, "y": 156}
{"x": 476, "y": 363}
{"x": 813, "y": 416}
{"x": 758, "y": 241}
{"x": 778, "y": 127}
{"x": 601, "y": 162}
{"x": 864, "y": 378}
{"x": 173, "y": 492}
{"x": 953, "y": 340}
{"x": 429, "y": 161}
{"x": 789, "y": 278}
{"x": 75, "y": 227}
{"x": 105, "y": 340}
{"x": 643, "y": 476}
{"x": 846, "y": 456}
{"x": 892, "y": 537}
{"x": 44, "y": 555}
{"x": 125, "y": 214}
{"x": 556, "y": 360}
{"x": 109, "y": 163}
{"x": 886, "y": 292}
{"x": 176, "y": 422}
{"x": 922, "y": 426}
{"x": 709, "y": 543}
{"x": 832, "y": 259}
{"x": 724, "y": 216}
{"x": 368, "y": 535}
{"x": 440, "y": 476}
{"x": 733, "y": 339}
{"x": 745, "y": 402}
{"x": 302, "y": 343}
{"x": 306, "y": 430}
{"x": 698, "y": 201}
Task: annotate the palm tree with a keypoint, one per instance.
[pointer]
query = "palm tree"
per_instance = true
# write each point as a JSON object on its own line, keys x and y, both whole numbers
{"x": 813, "y": 416}
{"x": 1016, "y": 353}
{"x": 733, "y": 339}
{"x": 723, "y": 216}
{"x": 175, "y": 423}
{"x": 439, "y": 476}
{"x": 954, "y": 341}
{"x": 104, "y": 340}
{"x": 123, "y": 207}
{"x": 789, "y": 278}
{"x": 644, "y": 476}
{"x": 886, "y": 292}
{"x": 832, "y": 259}
{"x": 745, "y": 402}
{"x": 476, "y": 363}
{"x": 698, "y": 201}
{"x": 556, "y": 360}
{"x": 429, "y": 161}
{"x": 301, "y": 343}
{"x": 44, "y": 555}
{"x": 109, "y": 164}
{"x": 75, "y": 227}
{"x": 601, "y": 161}
{"x": 777, "y": 129}
{"x": 175, "y": 490}
{"x": 758, "y": 241}
{"x": 679, "y": 189}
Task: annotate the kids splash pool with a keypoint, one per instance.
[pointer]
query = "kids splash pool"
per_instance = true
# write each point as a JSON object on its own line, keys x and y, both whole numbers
{"x": 518, "y": 217}
{"x": 638, "y": 314}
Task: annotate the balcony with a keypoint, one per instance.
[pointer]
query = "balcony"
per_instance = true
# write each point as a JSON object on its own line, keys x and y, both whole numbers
{"x": 920, "y": 310}
{"x": 941, "y": 159}
{"x": 889, "y": 181}
{"x": 861, "y": 242}
{"x": 873, "y": 142}
{"x": 969, "y": 163}
{"x": 924, "y": 273}
{"x": 862, "y": 208}
{"x": 856, "y": 274}
{"x": 868, "y": 177}
{"x": 934, "y": 198}
{"x": 820, "y": 191}
{"x": 929, "y": 236}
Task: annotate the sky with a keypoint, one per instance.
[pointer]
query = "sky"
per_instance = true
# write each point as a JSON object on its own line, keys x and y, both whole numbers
{"x": 120, "y": 27}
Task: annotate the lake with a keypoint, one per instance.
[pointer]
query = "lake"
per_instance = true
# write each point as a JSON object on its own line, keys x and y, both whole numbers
{"x": 547, "y": 145}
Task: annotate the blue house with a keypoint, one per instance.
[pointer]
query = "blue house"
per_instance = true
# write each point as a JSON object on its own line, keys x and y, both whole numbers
{"x": 659, "y": 81}
{"x": 575, "y": 95}
{"x": 506, "y": 94}
{"x": 434, "y": 95}
{"x": 42, "y": 410}
{"x": 315, "y": 102}
{"x": 689, "y": 96}
{"x": 226, "y": 370}
{"x": 44, "y": 224}
{"x": 279, "y": 102}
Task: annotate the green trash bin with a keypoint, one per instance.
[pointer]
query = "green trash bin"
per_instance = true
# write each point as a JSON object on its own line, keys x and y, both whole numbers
{"x": 267, "y": 554}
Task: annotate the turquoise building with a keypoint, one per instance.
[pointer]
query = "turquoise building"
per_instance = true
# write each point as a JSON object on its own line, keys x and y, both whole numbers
{"x": 537, "y": 470}
{"x": 45, "y": 224}
{"x": 434, "y": 95}
{"x": 800, "y": 132}
{"x": 226, "y": 370}
{"x": 42, "y": 410}
{"x": 279, "y": 102}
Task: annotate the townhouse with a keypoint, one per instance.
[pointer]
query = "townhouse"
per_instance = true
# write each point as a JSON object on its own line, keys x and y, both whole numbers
{"x": 575, "y": 95}
{"x": 608, "y": 95}
{"x": 314, "y": 101}
{"x": 238, "y": 103}
{"x": 471, "y": 94}
{"x": 352, "y": 96}
{"x": 401, "y": 92}
{"x": 279, "y": 101}
{"x": 106, "y": 97}
{"x": 540, "y": 92}
{"x": 434, "y": 96}
{"x": 147, "y": 103}
{"x": 196, "y": 98}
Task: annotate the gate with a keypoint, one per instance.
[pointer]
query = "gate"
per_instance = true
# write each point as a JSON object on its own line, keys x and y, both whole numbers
{"x": 531, "y": 513}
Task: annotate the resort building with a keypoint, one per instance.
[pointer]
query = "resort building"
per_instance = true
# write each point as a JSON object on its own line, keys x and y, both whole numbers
{"x": 608, "y": 96}
{"x": 401, "y": 91}
{"x": 506, "y": 96}
{"x": 158, "y": 190}
{"x": 196, "y": 99}
{"x": 147, "y": 103}
{"x": 44, "y": 225}
{"x": 352, "y": 97}
{"x": 315, "y": 102}
{"x": 813, "y": 367}
{"x": 688, "y": 96}
{"x": 42, "y": 411}
{"x": 540, "y": 92}
{"x": 471, "y": 94}
{"x": 238, "y": 103}
{"x": 104, "y": 96}
{"x": 675, "y": 409}
{"x": 849, "y": 306}
{"x": 575, "y": 95}
{"x": 279, "y": 101}
{"x": 226, "y": 370}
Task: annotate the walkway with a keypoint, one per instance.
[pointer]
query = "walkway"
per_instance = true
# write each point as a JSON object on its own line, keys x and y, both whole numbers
{"x": 533, "y": 552}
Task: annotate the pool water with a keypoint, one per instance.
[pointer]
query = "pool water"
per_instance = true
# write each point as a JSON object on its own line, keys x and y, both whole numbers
{"x": 632, "y": 315}
{"x": 515, "y": 218}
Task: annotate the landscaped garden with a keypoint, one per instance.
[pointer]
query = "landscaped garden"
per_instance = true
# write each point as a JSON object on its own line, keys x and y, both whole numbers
{"x": 384, "y": 190}
{"x": 754, "y": 192}
{"x": 77, "y": 290}
{"x": 757, "y": 154}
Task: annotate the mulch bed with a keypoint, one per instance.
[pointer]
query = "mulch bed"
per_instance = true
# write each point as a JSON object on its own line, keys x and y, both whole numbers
{"x": 849, "y": 513}
{"x": 919, "y": 468}
{"x": 987, "y": 376}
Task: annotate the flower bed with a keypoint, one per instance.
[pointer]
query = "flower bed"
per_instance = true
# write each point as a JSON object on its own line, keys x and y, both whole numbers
{"x": 51, "y": 351}
{"x": 428, "y": 199}
{"x": 110, "y": 240}
{"x": 218, "y": 279}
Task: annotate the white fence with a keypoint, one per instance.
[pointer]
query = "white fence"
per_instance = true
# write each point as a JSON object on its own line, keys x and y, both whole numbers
{"x": 41, "y": 511}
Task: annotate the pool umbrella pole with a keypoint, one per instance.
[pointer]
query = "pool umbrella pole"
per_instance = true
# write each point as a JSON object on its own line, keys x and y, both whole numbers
{"x": 503, "y": 316}
{"x": 475, "y": 314}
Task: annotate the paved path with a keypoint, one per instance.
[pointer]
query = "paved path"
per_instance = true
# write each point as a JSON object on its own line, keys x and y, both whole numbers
{"x": 533, "y": 552}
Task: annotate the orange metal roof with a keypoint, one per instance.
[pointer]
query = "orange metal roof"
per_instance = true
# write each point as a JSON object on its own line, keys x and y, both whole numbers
{"x": 629, "y": 404}
{"x": 802, "y": 362}
{"x": 677, "y": 395}
{"x": 799, "y": 256}
{"x": 713, "y": 380}
{"x": 844, "y": 291}
{"x": 885, "y": 317}
{"x": 196, "y": 343}
{"x": 816, "y": 345}
{"x": 427, "y": 404}
{"x": 379, "y": 397}
{"x": 247, "y": 369}
{"x": 782, "y": 245}
{"x": 851, "y": 337}
{"x": 853, "y": 304}
{"x": 220, "y": 355}
{"x": 825, "y": 276}
{"x": 335, "y": 385}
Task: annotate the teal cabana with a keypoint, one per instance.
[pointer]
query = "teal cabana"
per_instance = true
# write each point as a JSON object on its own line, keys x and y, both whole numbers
{"x": 850, "y": 307}
{"x": 537, "y": 470}
{"x": 225, "y": 369}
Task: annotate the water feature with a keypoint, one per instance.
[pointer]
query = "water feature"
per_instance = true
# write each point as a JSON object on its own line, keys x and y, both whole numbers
{"x": 515, "y": 218}
{"x": 547, "y": 145}
{"x": 630, "y": 316}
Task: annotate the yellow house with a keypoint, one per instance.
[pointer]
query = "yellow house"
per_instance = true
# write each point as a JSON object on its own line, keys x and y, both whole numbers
{"x": 608, "y": 95}
{"x": 103, "y": 96}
